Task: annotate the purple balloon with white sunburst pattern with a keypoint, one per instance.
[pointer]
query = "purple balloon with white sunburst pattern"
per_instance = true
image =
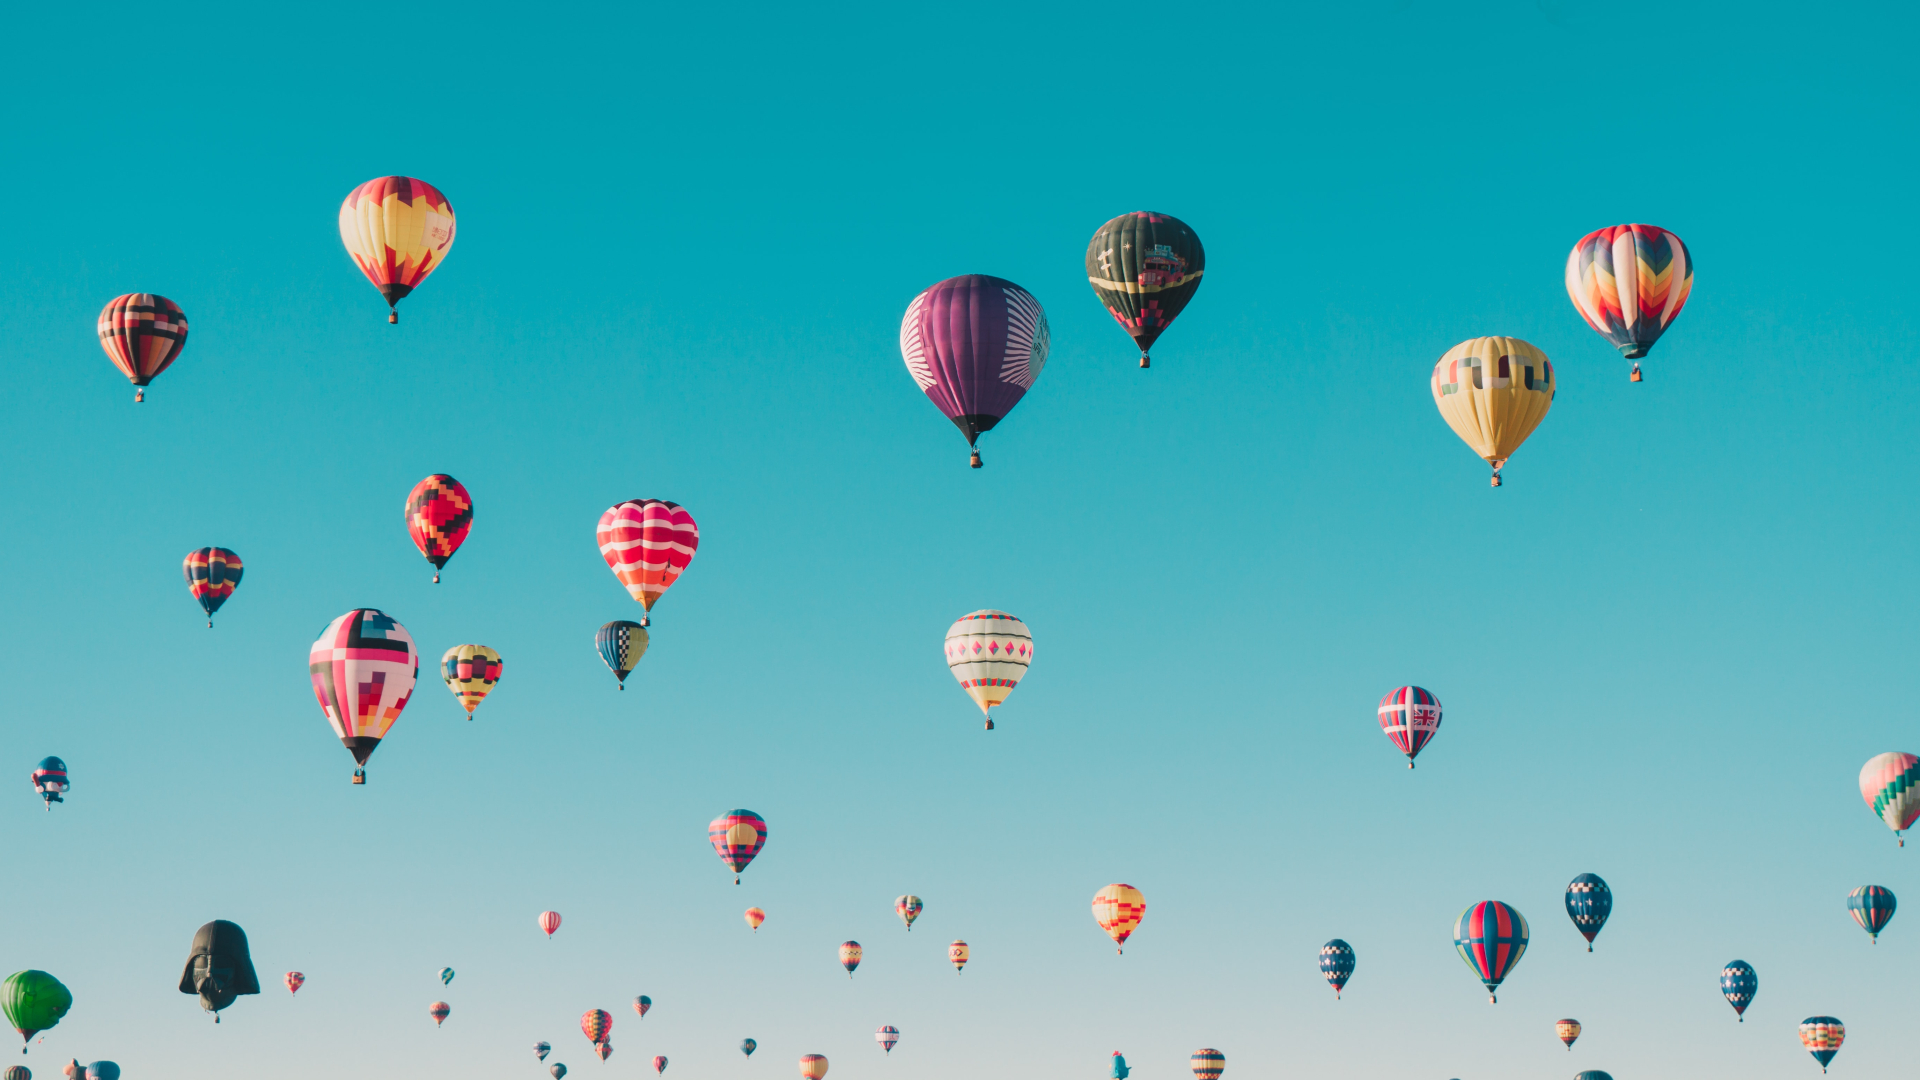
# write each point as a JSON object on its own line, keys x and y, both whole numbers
{"x": 974, "y": 344}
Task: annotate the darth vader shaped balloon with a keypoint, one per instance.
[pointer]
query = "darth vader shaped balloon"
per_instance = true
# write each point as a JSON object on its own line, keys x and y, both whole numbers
{"x": 219, "y": 969}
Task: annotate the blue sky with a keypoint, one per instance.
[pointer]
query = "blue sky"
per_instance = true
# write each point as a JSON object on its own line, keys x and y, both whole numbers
{"x": 686, "y": 238}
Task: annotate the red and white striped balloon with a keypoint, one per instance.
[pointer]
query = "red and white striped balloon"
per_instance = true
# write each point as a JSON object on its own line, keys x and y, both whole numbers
{"x": 549, "y": 921}
{"x": 647, "y": 544}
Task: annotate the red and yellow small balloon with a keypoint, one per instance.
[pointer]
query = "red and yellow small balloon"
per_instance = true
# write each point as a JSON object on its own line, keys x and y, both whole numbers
{"x": 850, "y": 954}
{"x": 1118, "y": 909}
{"x": 755, "y": 917}
{"x": 958, "y": 953}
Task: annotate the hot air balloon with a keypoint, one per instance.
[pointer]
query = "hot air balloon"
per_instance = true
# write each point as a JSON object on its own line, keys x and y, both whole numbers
{"x": 748, "y": 1046}
{"x": 73, "y": 1070}
{"x": 737, "y": 836}
{"x": 1739, "y": 983}
{"x": 641, "y": 1004}
{"x": 33, "y": 1001}
{"x": 974, "y": 344}
{"x": 1119, "y": 1070}
{"x": 850, "y": 954}
{"x": 1493, "y": 391}
{"x": 1589, "y": 902}
{"x": 446, "y": 976}
{"x": 439, "y": 515}
{"x": 1822, "y": 1036}
{"x": 755, "y": 917}
{"x": 988, "y": 652}
{"x": 1411, "y": 718}
{"x": 621, "y": 644}
{"x": 50, "y": 780}
{"x": 103, "y": 1070}
{"x": 1630, "y": 282}
{"x": 142, "y": 333}
{"x": 648, "y": 544}
{"x": 558, "y": 1070}
{"x": 813, "y": 1066}
{"x": 595, "y": 1024}
{"x": 1208, "y": 1064}
{"x": 1336, "y": 963}
{"x": 908, "y": 908}
{"x": 212, "y": 574}
{"x": 541, "y": 1049}
{"x": 295, "y": 981}
{"x": 439, "y": 1010}
{"x": 1593, "y": 1074}
{"x": 887, "y": 1036}
{"x": 17, "y": 1072}
{"x": 1567, "y": 1030}
{"x": 1144, "y": 267}
{"x": 470, "y": 672}
{"x": 220, "y": 967}
{"x": 1891, "y": 785}
{"x": 1491, "y": 937}
{"x": 604, "y": 1049}
{"x": 363, "y": 669}
{"x": 398, "y": 230}
{"x": 659, "y": 1064}
{"x": 1118, "y": 909}
{"x": 1872, "y": 907}
{"x": 958, "y": 953}
{"x": 549, "y": 921}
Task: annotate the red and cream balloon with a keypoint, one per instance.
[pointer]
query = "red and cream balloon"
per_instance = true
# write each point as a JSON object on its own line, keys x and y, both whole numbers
{"x": 1118, "y": 909}
{"x": 142, "y": 333}
{"x": 989, "y": 652}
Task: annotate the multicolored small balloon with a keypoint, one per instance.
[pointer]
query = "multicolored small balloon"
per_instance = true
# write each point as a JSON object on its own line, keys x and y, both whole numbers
{"x": 1118, "y": 908}
{"x": 1336, "y": 963}
{"x": 1491, "y": 937}
{"x": 595, "y": 1024}
{"x": 295, "y": 981}
{"x": 17, "y": 1072}
{"x": 958, "y": 953}
{"x": 1410, "y": 717}
{"x": 1871, "y": 907}
{"x": 1567, "y": 1031}
{"x": 621, "y": 644}
{"x": 439, "y": 1010}
{"x": 648, "y": 544}
{"x": 212, "y": 574}
{"x": 748, "y": 1046}
{"x": 470, "y": 671}
{"x": 755, "y": 917}
{"x": 142, "y": 334}
{"x": 813, "y": 1066}
{"x": 603, "y": 1048}
{"x": 850, "y": 953}
{"x": 1589, "y": 902}
{"x": 887, "y": 1036}
{"x": 1738, "y": 983}
{"x": 446, "y": 976}
{"x": 989, "y": 652}
{"x": 50, "y": 780}
{"x": 363, "y": 670}
{"x": 641, "y": 1004}
{"x": 1890, "y": 783}
{"x": 908, "y": 908}
{"x": 439, "y": 516}
{"x": 737, "y": 836}
{"x": 1822, "y": 1036}
{"x": 541, "y": 1049}
{"x": 1208, "y": 1064}
{"x": 398, "y": 231}
{"x": 659, "y": 1064}
{"x": 549, "y": 921}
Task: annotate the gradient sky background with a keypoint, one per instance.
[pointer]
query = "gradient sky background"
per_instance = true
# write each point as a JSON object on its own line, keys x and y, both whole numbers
{"x": 685, "y": 242}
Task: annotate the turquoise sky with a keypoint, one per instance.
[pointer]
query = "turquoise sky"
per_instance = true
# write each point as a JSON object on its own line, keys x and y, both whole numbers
{"x": 685, "y": 242}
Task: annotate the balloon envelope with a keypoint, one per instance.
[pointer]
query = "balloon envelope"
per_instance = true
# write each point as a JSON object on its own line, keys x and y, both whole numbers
{"x": 850, "y": 953}
{"x": 813, "y": 1066}
{"x": 33, "y": 1001}
{"x": 51, "y": 781}
{"x": 541, "y": 1049}
{"x": 908, "y": 908}
{"x": 648, "y": 544}
{"x": 1738, "y": 983}
{"x": 439, "y": 1010}
{"x": 958, "y": 953}
{"x": 1336, "y": 963}
{"x": 1208, "y": 1064}
{"x": 595, "y": 1024}
{"x": 641, "y": 1004}
{"x": 1629, "y": 282}
{"x": 212, "y": 574}
{"x": 988, "y": 652}
{"x": 1890, "y": 784}
{"x": 659, "y": 1064}
{"x": 1145, "y": 267}
{"x": 755, "y": 917}
{"x": 470, "y": 671}
{"x": 549, "y": 921}
{"x": 1871, "y": 907}
{"x": 974, "y": 344}
{"x": 398, "y": 231}
{"x": 1491, "y": 937}
{"x": 363, "y": 668}
{"x": 103, "y": 1070}
{"x": 446, "y": 976}
{"x": 558, "y": 1070}
{"x": 887, "y": 1036}
{"x": 295, "y": 981}
{"x": 1118, "y": 909}
{"x": 439, "y": 516}
{"x": 621, "y": 644}
{"x": 1822, "y": 1036}
{"x": 1589, "y": 902}
{"x": 220, "y": 967}
{"x": 737, "y": 836}
{"x": 1493, "y": 391}
{"x": 142, "y": 334}
{"x": 1567, "y": 1031}
{"x": 748, "y": 1046}
{"x": 1410, "y": 717}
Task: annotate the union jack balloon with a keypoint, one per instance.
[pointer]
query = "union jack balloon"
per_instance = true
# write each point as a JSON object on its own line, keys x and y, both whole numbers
{"x": 1118, "y": 909}
{"x": 1738, "y": 983}
{"x": 737, "y": 836}
{"x": 439, "y": 516}
{"x": 1872, "y": 907}
{"x": 908, "y": 908}
{"x": 1890, "y": 783}
{"x": 887, "y": 1036}
{"x": 989, "y": 651}
{"x": 1411, "y": 717}
{"x": 648, "y": 544}
{"x": 212, "y": 574}
{"x": 1589, "y": 902}
{"x": 1491, "y": 937}
{"x": 1336, "y": 963}
{"x": 1567, "y": 1030}
{"x": 1630, "y": 282}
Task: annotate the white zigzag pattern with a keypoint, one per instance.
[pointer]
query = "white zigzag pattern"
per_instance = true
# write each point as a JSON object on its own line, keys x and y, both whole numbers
{"x": 912, "y": 347}
{"x": 1027, "y": 339}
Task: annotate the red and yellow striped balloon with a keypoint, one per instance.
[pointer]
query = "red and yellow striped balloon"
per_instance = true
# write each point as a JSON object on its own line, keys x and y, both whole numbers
{"x": 850, "y": 954}
{"x": 1118, "y": 909}
{"x": 958, "y": 953}
{"x": 470, "y": 671}
{"x": 813, "y": 1066}
{"x": 142, "y": 333}
{"x": 398, "y": 231}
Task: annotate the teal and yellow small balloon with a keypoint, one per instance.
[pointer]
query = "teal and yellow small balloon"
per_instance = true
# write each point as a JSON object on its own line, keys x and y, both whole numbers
{"x": 621, "y": 644}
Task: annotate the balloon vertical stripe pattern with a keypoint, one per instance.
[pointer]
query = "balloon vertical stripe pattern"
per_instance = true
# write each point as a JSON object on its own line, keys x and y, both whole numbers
{"x": 142, "y": 333}
{"x": 1493, "y": 391}
{"x": 1410, "y": 717}
{"x": 1872, "y": 908}
{"x": 549, "y": 922}
{"x": 398, "y": 230}
{"x": 648, "y": 544}
{"x": 1491, "y": 937}
{"x": 1629, "y": 282}
{"x": 212, "y": 574}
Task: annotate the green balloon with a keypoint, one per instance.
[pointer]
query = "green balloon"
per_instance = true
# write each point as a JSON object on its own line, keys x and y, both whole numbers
{"x": 33, "y": 1001}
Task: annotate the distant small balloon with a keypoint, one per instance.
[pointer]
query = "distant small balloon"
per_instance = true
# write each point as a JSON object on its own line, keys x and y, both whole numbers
{"x": 1119, "y": 1070}
{"x": 958, "y": 953}
{"x": 295, "y": 981}
{"x": 446, "y": 976}
{"x": 542, "y": 1048}
{"x": 50, "y": 780}
{"x": 1118, "y": 909}
{"x": 1593, "y": 1074}
{"x": 1567, "y": 1030}
{"x": 212, "y": 574}
{"x": 659, "y": 1065}
{"x": 558, "y": 1070}
{"x": 1872, "y": 907}
{"x": 887, "y": 1037}
{"x": 596, "y": 1025}
{"x": 755, "y": 917}
{"x": 1336, "y": 963}
{"x": 603, "y": 1048}
{"x": 549, "y": 921}
{"x": 103, "y": 1070}
{"x": 850, "y": 953}
{"x": 1890, "y": 784}
{"x": 813, "y": 1066}
{"x": 621, "y": 644}
{"x": 439, "y": 1010}
{"x": 1589, "y": 902}
{"x": 1822, "y": 1036}
{"x": 908, "y": 908}
{"x": 1739, "y": 982}
{"x": 1208, "y": 1064}
{"x": 748, "y": 1046}
{"x": 641, "y": 1004}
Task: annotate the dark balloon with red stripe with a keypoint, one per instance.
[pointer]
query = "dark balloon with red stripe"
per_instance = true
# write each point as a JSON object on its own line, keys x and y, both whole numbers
{"x": 974, "y": 344}
{"x": 1589, "y": 902}
{"x": 1145, "y": 267}
{"x": 212, "y": 574}
{"x": 142, "y": 334}
{"x": 1491, "y": 937}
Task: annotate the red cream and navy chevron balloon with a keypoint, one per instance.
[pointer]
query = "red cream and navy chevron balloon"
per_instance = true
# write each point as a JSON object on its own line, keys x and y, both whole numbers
{"x": 974, "y": 344}
{"x": 439, "y": 516}
{"x": 1589, "y": 902}
{"x": 212, "y": 574}
{"x": 1491, "y": 937}
{"x": 737, "y": 836}
{"x": 1630, "y": 282}
{"x": 142, "y": 334}
{"x": 1336, "y": 963}
{"x": 1410, "y": 716}
{"x": 1145, "y": 267}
